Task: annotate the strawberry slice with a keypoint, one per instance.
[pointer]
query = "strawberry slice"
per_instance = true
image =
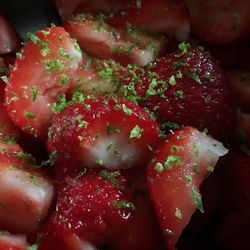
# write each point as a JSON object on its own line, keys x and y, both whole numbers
{"x": 67, "y": 8}
{"x": 166, "y": 17}
{"x": 25, "y": 194}
{"x": 48, "y": 60}
{"x": 106, "y": 133}
{"x": 240, "y": 80}
{"x": 220, "y": 22}
{"x": 174, "y": 177}
{"x": 90, "y": 206}
{"x": 13, "y": 242}
{"x": 98, "y": 39}
{"x": 9, "y": 40}
{"x": 187, "y": 88}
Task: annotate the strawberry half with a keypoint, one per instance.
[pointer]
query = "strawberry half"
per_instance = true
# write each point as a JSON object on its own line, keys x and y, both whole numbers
{"x": 174, "y": 176}
{"x": 108, "y": 133}
{"x": 166, "y": 17}
{"x": 13, "y": 242}
{"x": 48, "y": 60}
{"x": 220, "y": 22}
{"x": 26, "y": 194}
{"x": 91, "y": 205}
{"x": 187, "y": 88}
{"x": 126, "y": 46}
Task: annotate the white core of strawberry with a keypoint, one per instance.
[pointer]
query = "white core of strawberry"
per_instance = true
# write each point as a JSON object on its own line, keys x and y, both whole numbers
{"x": 13, "y": 240}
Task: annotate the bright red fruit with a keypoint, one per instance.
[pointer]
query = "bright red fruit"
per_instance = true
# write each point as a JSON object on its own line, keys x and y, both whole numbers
{"x": 48, "y": 60}
{"x": 9, "y": 40}
{"x": 174, "y": 176}
{"x": 166, "y": 17}
{"x": 186, "y": 88}
{"x": 108, "y": 133}
{"x": 13, "y": 242}
{"x": 126, "y": 46}
{"x": 26, "y": 194}
{"x": 91, "y": 205}
{"x": 220, "y": 22}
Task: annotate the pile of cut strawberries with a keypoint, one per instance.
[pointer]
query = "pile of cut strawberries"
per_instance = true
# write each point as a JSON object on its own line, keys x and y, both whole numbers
{"x": 127, "y": 127}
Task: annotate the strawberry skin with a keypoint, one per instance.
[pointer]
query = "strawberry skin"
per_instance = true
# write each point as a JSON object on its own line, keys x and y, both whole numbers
{"x": 220, "y": 22}
{"x": 187, "y": 88}
{"x": 174, "y": 176}
{"x": 108, "y": 133}
{"x": 91, "y": 205}
{"x": 167, "y": 17}
{"x": 48, "y": 60}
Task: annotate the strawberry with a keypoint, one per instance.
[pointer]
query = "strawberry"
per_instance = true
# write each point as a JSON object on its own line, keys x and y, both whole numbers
{"x": 67, "y": 8}
{"x": 26, "y": 194}
{"x": 240, "y": 80}
{"x": 91, "y": 205}
{"x": 107, "y": 132}
{"x": 126, "y": 46}
{"x": 220, "y": 22}
{"x": 48, "y": 60}
{"x": 13, "y": 242}
{"x": 186, "y": 87}
{"x": 174, "y": 176}
{"x": 9, "y": 40}
{"x": 166, "y": 17}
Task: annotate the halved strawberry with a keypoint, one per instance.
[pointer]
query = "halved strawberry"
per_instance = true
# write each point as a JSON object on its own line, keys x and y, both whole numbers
{"x": 240, "y": 80}
{"x": 174, "y": 176}
{"x": 187, "y": 88}
{"x": 67, "y": 8}
{"x": 13, "y": 242}
{"x": 220, "y": 22}
{"x": 26, "y": 194}
{"x": 91, "y": 205}
{"x": 48, "y": 60}
{"x": 108, "y": 133}
{"x": 9, "y": 40}
{"x": 126, "y": 46}
{"x": 166, "y": 17}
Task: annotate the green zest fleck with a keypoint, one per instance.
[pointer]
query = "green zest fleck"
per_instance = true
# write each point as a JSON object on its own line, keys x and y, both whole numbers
{"x": 136, "y": 132}
{"x": 188, "y": 179}
{"x": 64, "y": 80}
{"x": 179, "y": 94}
{"x": 124, "y": 205}
{"x": 5, "y": 79}
{"x": 54, "y": 66}
{"x": 126, "y": 110}
{"x": 19, "y": 55}
{"x": 184, "y": 47}
{"x": 100, "y": 162}
{"x": 172, "y": 80}
{"x": 29, "y": 115}
{"x": 178, "y": 213}
{"x": 171, "y": 161}
{"x": 159, "y": 167}
{"x": 34, "y": 93}
{"x": 32, "y": 37}
{"x": 196, "y": 196}
{"x": 81, "y": 123}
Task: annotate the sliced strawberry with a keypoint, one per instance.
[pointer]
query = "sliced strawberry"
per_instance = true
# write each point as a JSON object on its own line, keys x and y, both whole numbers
{"x": 91, "y": 205}
{"x": 13, "y": 242}
{"x": 185, "y": 88}
{"x": 220, "y": 22}
{"x": 9, "y": 40}
{"x": 106, "y": 133}
{"x": 25, "y": 194}
{"x": 67, "y": 8}
{"x": 98, "y": 39}
{"x": 48, "y": 60}
{"x": 240, "y": 80}
{"x": 142, "y": 232}
{"x": 174, "y": 177}
{"x": 167, "y": 17}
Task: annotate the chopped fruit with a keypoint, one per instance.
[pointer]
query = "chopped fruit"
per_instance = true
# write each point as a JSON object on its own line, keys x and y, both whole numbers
{"x": 48, "y": 60}
{"x": 91, "y": 205}
{"x": 9, "y": 41}
{"x": 240, "y": 80}
{"x": 185, "y": 88}
{"x": 166, "y": 17}
{"x": 66, "y": 8}
{"x": 175, "y": 175}
{"x": 26, "y": 195}
{"x": 106, "y": 133}
{"x": 220, "y": 22}
{"x": 142, "y": 232}
{"x": 98, "y": 39}
{"x": 13, "y": 242}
